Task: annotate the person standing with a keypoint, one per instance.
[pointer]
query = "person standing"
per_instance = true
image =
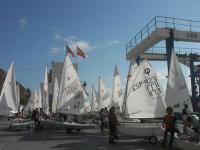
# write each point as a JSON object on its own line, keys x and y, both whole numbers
{"x": 106, "y": 117}
{"x": 37, "y": 119}
{"x": 169, "y": 121}
{"x": 101, "y": 114}
{"x": 112, "y": 118}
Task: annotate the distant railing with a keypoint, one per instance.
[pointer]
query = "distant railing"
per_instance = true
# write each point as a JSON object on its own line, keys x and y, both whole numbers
{"x": 178, "y": 50}
{"x": 162, "y": 22}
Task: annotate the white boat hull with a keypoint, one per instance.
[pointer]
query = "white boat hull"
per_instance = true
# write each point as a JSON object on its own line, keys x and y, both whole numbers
{"x": 19, "y": 125}
{"x": 65, "y": 125}
{"x": 140, "y": 129}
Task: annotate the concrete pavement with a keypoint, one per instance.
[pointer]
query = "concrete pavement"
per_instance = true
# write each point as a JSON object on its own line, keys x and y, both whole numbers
{"x": 58, "y": 140}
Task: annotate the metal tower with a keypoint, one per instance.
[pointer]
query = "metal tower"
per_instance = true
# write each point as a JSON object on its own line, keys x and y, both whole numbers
{"x": 169, "y": 30}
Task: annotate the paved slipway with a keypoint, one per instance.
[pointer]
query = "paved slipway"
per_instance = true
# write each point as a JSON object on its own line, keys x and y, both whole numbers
{"x": 58, "y": 140}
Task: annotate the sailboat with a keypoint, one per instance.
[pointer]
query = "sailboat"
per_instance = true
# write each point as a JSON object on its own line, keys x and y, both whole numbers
{"x": 177, "y": 95}
{"x": 94, "y": 105}
{"x": 55, "y": 96}
{"x": 30, "y": 105}
{"x": 143, "y": 100}
{"x": 71, "y": 99}
{"x": 18, "y": 103}
{"x": 39, "y": 98}
{"x": 45, "y": 105}
{"x": 117, "y": 95}
{"x": 104, "y": 100}
{"x": 132, "y": 68}
{"x": 36, "y": 100}
{"x": 8, "y": 98}
{"x": 71, "y": 96}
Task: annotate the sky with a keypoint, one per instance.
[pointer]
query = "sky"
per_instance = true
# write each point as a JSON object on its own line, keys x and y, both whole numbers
{"x": 35, "y": 33}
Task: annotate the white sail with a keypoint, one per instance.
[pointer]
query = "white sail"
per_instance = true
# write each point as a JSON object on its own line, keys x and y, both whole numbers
{"x": 31, "y": 103}
{"x": 132, "y": 68}
{"x": 35, "y": 100}
{"x": 177, "y": 93}
{"x": 39, "y": 98}
{"x": 144, "y": 94}
{"x": 94, "y": 105}
{"x": 55, "y": 96}
{"x": 117, "y": 95}
{"x": 8, "y": 98}
{"x": 46, "y": 93}
{"x": 104, "y": 99}
{"x": 87, "y": 108}
{"x": 71, "y": 95}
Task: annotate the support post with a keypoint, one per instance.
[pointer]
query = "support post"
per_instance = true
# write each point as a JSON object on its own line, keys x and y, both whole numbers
{"x": 169, "y": 47}
{"x": 192, "y": 74}
{"x": 138, "y": 60}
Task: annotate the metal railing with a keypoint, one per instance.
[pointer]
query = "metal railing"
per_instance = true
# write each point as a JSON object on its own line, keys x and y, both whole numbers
{"x": 162, "y": 22}
{"x": 178, "y": 50}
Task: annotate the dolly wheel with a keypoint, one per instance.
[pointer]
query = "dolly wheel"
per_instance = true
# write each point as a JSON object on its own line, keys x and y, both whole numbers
{"x": 69, "y": 130}
{"x": 153, "y": 139}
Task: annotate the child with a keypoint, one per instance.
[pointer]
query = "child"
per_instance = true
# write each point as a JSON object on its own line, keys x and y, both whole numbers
{"x": 169, "y": 123}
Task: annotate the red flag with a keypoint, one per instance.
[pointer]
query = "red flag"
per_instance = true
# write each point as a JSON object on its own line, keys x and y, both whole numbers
{"x": 80, "y": 52}
{"x": 69, "y": 51}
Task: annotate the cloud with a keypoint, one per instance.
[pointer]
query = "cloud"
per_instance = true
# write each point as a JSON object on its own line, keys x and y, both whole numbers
{"x": 113, "y": 42}
{"x": 73, "y": 42}
{"x": 57, "y": 36}
{"x": 23, "y": 22}
{"x": 106, "y": 44}
{"x": 56, "y": 50}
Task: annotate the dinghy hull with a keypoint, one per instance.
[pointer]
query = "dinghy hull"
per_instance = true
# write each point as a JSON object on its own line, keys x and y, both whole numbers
{"x": 19, "y": 125}
{"x": 146, "y": 130}
{"x": 66, "y": 125}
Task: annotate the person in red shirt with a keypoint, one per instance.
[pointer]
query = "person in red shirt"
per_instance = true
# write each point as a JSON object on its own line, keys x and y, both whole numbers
{"x": 169, "y": 121}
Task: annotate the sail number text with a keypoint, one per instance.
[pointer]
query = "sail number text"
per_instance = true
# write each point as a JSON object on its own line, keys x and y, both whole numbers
{"x": 72, "y": 88}
{"x": 151, "y": 84}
